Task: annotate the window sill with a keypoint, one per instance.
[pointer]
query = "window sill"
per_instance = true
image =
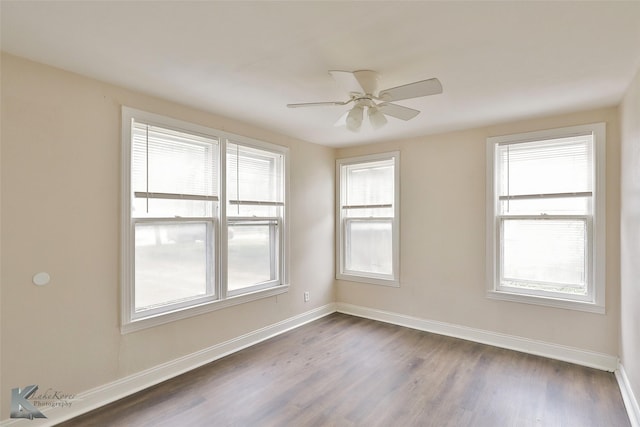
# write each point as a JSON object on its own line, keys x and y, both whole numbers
{"x": 547, "y": 302}
{"x": 394, "y": 283}
{"x": 160, "y": 319}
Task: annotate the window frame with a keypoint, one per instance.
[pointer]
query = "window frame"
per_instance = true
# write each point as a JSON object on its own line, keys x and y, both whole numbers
{"x": 393, "y": 279}
{"x": 217, "y": 226}
{"x": 595, "y": 222}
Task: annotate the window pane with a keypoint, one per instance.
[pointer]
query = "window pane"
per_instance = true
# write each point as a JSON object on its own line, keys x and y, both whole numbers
{"x": 368, "y": 212}
{"x": 545, "y": 254}
{"x": 550, "y": 205}
{"x": 369, "y": 246}
{"x": 171, "y": 263}
{"x": 252, "y": 258}
{"x": 170, "y": 208}
{"x": 561, "y": 165}
{"x": 254, "y": 210}
{"x": 369, "y": 183}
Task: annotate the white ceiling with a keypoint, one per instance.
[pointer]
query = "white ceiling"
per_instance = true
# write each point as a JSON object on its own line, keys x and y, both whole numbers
{"x": 497, "y": 61}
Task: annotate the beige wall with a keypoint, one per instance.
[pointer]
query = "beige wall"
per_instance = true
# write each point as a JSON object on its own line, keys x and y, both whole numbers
{"x": 442, "y": 203}
{"x": 630, "y": 236}
{"x": 60, "y": 213}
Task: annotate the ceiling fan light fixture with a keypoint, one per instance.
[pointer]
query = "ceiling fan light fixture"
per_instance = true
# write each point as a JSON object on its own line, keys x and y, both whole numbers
{"x": 354, "y": 118}
{"x": 376, "y": 118}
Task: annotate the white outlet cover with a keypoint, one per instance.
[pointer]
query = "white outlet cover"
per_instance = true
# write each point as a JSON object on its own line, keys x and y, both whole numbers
{"x": 41, "y": 279}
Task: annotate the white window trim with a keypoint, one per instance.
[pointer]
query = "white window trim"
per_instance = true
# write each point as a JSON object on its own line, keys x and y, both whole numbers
{"x": 128, "y": 321}
{"x": 375, "y": 279}
{"x": 597, "y": 303}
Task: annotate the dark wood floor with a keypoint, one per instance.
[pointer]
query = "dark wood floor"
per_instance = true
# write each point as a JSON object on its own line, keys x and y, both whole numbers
{"x": 347, "y": 371}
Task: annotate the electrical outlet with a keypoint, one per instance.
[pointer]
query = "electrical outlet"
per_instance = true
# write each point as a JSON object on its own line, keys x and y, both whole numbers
{"x": 306, "y": 296}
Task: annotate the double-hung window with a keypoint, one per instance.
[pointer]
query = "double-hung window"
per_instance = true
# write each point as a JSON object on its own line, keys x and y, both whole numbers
{"x": 255, "y": 204}
{"x": 203, "y": 219}
{"x": 545, "y": 230}
{"x": 367, "y": 219}
{"x": 174, "y": 209}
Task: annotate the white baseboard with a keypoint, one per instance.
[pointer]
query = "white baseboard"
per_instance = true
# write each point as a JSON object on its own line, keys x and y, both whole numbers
{"x": 591, "y": 359}
{"x": 630, "y": 401}
{"x": 107, "y": 393}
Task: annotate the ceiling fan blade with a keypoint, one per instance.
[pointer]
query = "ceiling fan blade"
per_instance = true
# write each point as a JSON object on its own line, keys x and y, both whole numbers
{"x": 357, "y": 82}
{"x": 318, "y": 104}
{"x": 347, "y": 81}
{"x": 398, "y": 111}
{"x": 411, "y": 90}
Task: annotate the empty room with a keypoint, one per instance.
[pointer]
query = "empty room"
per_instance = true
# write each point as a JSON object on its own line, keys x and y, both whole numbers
{"x": 320, "y": 213}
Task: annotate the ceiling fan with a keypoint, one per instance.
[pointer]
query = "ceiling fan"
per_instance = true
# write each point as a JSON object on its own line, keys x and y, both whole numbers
{"x": 362, "y": 86}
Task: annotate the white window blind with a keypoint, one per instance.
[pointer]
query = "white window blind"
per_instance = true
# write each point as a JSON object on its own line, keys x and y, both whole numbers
{"x": 173, "y": 173}
{"x": 254, "y": 181}
{"x": 369, "y": 183}
{"x": 546, "y": 176}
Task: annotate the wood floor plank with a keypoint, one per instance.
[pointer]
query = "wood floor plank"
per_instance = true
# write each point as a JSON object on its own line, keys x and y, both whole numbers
{"x": 347, "y": 371}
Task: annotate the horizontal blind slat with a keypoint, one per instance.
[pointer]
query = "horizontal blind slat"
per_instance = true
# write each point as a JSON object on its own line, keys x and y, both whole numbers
{"x": 543, "y": 196}
{"x": 173, "y": 196}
